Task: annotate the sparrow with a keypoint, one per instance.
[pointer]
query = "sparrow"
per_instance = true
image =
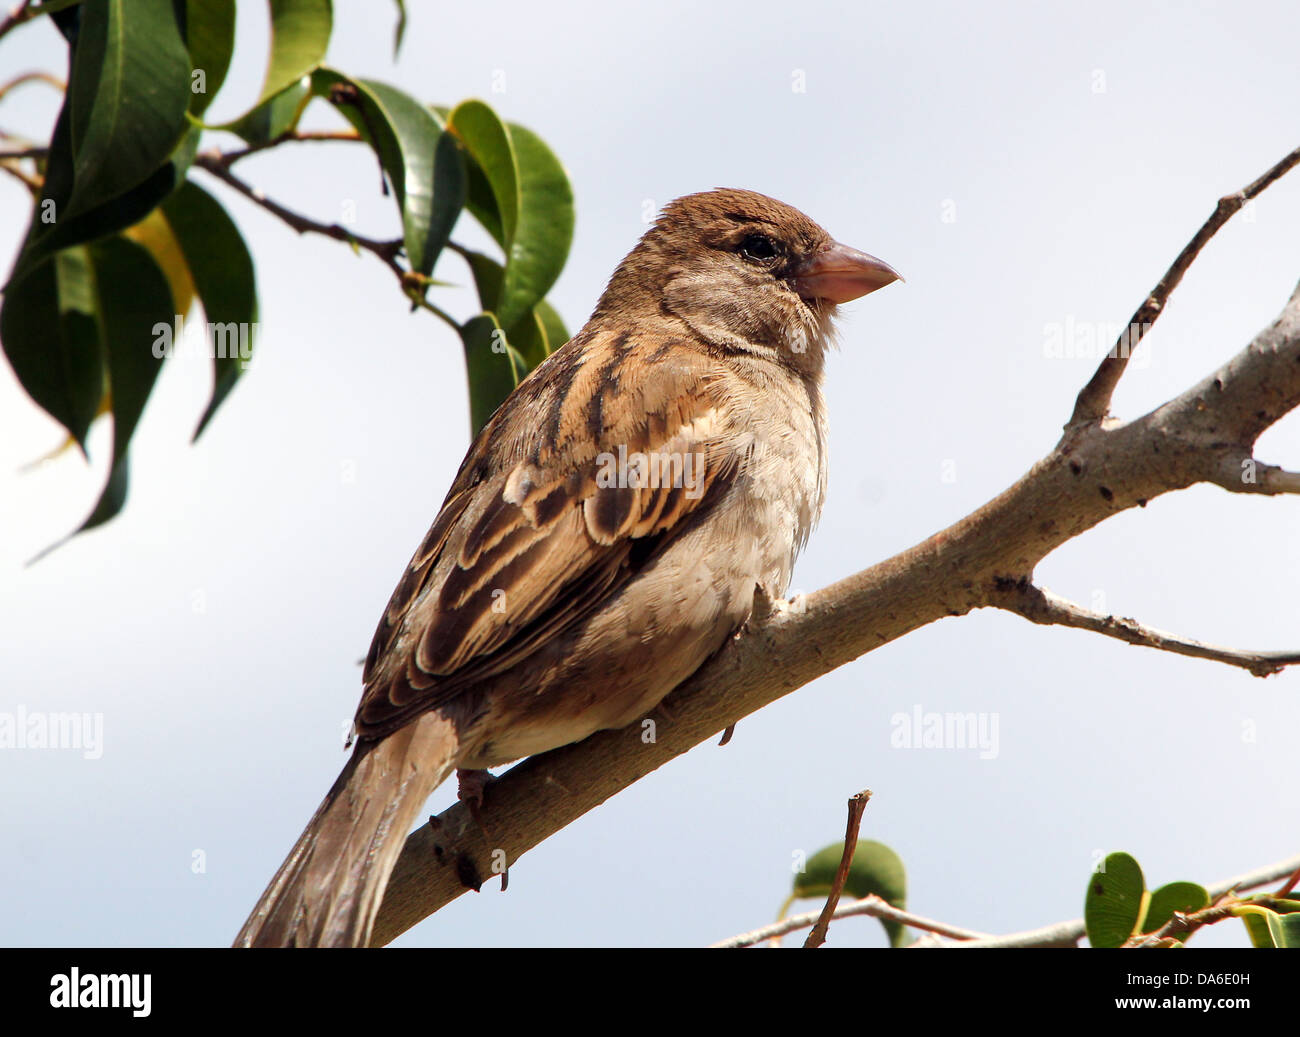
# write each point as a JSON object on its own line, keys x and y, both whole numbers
{"x": 607, "y": 532}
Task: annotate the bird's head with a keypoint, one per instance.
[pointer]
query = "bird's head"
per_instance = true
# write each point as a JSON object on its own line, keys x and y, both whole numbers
{"x": 745, "y": 272}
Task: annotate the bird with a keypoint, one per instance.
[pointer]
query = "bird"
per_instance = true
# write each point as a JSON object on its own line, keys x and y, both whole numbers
{"x": 607, "y": 532}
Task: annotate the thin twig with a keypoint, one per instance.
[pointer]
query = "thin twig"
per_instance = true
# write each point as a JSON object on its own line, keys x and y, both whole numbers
{"x": 19, "y": 153}
{"x": 229, "y": 158}
{"x": 26, "y": 11}
{"x": 387, "y": 251}
{"x": 871, "y": 906}
{"x": 1242, "y": 473}
{"x": 424, "y": 304}
{"x": 33, "y": 183}
{"x": 1043, "y": 607}
{"x": 30, "y": 77}
{"x": 1093, "y": 402}
{"x": 413, "y": 284}
{"x": 16, "y": 17}
{"x": 1254, "y": 879}
{"x": 857, "y": 804}
{"x": 1181, "y": 926}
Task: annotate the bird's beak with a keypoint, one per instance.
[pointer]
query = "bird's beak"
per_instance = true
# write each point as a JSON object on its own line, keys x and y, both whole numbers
{"x": 841, "y": 274}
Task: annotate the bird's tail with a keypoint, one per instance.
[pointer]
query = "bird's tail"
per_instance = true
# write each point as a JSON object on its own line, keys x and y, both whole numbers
{"x": 328, "y": 890}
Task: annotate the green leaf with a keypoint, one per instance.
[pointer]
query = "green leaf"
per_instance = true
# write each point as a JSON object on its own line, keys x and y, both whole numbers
{"x": 553, "y": 324}
{"x": 50, "y": 334}
{"x": 55, "y": 226}
{"x": 44, "y": 239}
{"x": 544, "y": 231}
{"x": 487, "y": 273}
{"x": 112, "y": 498}
{"x": 127, "y": 94}
{"x": 300, "y": 35}
{"x": 875, "y": 869}
{"x": 221, "y": 268}
{"x": 1268, "y": 928}
{"x": 424, "y": 164}
{"x": 210, "y": 37}
{"x": 449, "y": 192}
{"x": 539, "y": 333}
{"x": 520, "y": 193}
{"x": 528, "y": 336}
{"x": 1184, "y": 897}
{"x": 399, "y": 32}
{"x": 480, "y": 200}
{"x": 57, "y": 188}
{"x": 155, "y": 234}
{"x": 183, "y": 157}
{"x": 1256, "y": 926}
{"x": 493, "y": 366}
{"x": 1284, "y": 929}
{"x": 1115, "y": 901}
{"x": 1274, "y": 925}
{"x": 493, "y": 195}
{"x": 482, "y": 204}
{"x": 134, "y": 299}
{"x": 274, "y": 116}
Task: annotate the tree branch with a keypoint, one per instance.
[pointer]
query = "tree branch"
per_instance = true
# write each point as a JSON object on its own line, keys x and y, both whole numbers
{"x": 31, "y": 77}
{"x": 1093, "y": 403}
{"x": 1061, "y": 934}
{"x": 1042, "y": 606}
{"x": 1097, "y": 469}
{"x": 1246, "y": 475}
{"x": 413, "y": 284}
{"x": 229, "y": 158}
{"x": 857, "y": 805}
{"x": 1095, "y": 473}
{"x": 872, "y": 906}
{"x": 32, "y": 183}
{"x": 1182, "y": 926}
{"x": 19, "y": 14}
{"x": 27, "y": 10}
{"x": 217, "y": 163}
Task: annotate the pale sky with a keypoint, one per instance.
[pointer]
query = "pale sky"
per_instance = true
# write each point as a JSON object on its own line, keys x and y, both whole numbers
{"x": 1030, "y": 169}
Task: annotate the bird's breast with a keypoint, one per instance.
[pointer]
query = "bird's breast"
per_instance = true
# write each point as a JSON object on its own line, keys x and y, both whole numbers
{"x": 782, "y": 484}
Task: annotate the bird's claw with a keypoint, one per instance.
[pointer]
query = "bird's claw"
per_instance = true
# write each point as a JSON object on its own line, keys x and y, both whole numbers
{"x": 469, "y": 790}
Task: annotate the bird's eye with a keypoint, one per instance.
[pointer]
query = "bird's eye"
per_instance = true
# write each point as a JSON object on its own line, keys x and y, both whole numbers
{"x": 757, "y": 246}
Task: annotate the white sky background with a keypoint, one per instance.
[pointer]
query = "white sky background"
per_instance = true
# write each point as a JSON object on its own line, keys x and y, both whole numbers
{"x": 217, "y": 623}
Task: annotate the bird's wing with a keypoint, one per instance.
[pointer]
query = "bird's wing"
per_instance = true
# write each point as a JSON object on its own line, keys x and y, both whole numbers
{"x": 533, "y": 537}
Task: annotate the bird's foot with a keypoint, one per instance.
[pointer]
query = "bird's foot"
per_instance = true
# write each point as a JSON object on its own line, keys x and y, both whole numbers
{"x": 469, "y": 790}
{"x": 796, "y": 604}
{"x": 768, "y": 606}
